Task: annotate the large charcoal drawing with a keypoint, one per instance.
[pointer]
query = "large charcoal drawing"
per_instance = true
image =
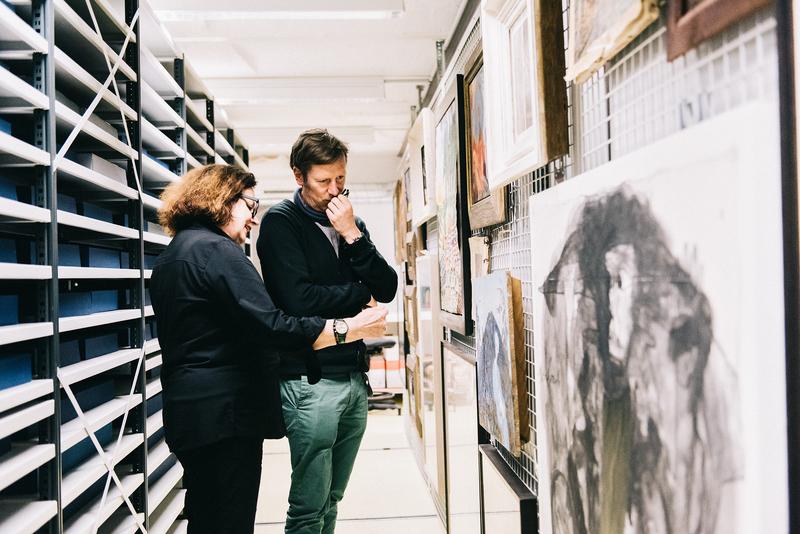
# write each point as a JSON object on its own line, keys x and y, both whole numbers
{"x": 658, "y": 338}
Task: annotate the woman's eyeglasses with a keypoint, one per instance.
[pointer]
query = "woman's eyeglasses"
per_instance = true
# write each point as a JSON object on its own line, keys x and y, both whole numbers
{"x": 252, "y": 207}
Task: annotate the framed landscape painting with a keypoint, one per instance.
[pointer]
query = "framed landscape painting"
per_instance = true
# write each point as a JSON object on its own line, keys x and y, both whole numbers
{"x": 659, "y": 341}
{"x": 451, "y": 182}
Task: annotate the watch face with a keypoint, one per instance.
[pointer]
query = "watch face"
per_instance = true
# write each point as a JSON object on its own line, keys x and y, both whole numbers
{"x": 340, "y": 327}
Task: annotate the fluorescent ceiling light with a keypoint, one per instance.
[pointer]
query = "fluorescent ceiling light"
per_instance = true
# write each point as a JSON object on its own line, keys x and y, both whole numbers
{"x": 203, "y": 16}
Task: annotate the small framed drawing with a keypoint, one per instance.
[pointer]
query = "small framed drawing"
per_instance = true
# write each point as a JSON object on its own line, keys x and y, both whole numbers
{"x": 690, "y": 22}
{"x": 526, "y": 97}
{"x": 422, "y": 155}
{"x": 598, "y": 29}
{"x": 508, "y": 505}
{"x": 486, "y": 207}
{"x": 451, "y": 183}
{"x": 399, "y": 200}
{"x": 500, "y": 353}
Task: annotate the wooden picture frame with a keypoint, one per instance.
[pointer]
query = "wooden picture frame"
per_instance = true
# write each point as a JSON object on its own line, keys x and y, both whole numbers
{"x": 508, "y": 505}
{"x": 422, "y": 156}
{"x": 500, "y": 353}
{"x": 451, "y": 183}
{"x": 690, "y": 22}
{"x": 398, "y": 199}
{"x": 594, "y": 40}
{"x": 486, "y": 207}
{"x": 526, "y": 96}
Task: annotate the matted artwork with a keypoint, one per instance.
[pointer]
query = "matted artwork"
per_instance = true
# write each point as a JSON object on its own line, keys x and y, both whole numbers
{"x": 400, "y": 206}
{"x": 500, "y": 353}
{"x": 451, "y": 183}
{"x": 422, "y": 153}
{"x": 508, "y": 506}
{"x": 525, "y": 92}
{"x": 659, "y": 337}
{"x": 486, "y": 207}
{"x": 598, "y": 29}
{"x": 690, "y": 22}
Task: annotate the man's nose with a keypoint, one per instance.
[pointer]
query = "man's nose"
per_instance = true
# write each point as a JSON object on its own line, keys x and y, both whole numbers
{"x": 333, "y": 190}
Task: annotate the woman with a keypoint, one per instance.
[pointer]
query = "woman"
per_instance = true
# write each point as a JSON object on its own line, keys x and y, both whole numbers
{"x": 218, "y": 329}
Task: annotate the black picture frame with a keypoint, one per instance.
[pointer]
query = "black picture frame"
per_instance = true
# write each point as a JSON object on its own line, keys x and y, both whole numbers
{"x": 528, "y": 503}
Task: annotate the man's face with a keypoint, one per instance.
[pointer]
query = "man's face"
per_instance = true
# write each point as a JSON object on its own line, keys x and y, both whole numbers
{"x": 322, "y": 183}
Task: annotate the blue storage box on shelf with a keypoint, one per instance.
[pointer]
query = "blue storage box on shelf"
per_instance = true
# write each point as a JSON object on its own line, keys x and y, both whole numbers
{"x": 84, "y": 449}
{"x": 69, "y": 352}
{"x": 69, "y": 255}
{"x": 9, "y": 310}
{"x": 5, "y": 126}
{"x": 104, "y": 300}
{"x": 102, "y": 166}
{"x": 90, "y": 394}
{"x": 101, "y": 345}
{"x": 8, "y": 250}
{"x": 67, "y": 203}
{"x": 15, "y": 369}
{"x": 154, "y": 404}
{"x": 150, "y": 260}
{"x": 125, "y": 260}
{"x": 8, "y": 189}
{"x": 155, "y": 437}
{"x": 100, "y": 257}
{"x": 74, "y": 303}
{"x": 96, "y": 212}
{"x": 150, "y": 330}
{"x": 5, "y": 446}
{"x": 162, "y": 469}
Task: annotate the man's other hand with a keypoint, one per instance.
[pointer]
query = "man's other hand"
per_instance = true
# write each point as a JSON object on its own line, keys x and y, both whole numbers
{"x": 367, "y": 324}
{"x": 340, "y": 213}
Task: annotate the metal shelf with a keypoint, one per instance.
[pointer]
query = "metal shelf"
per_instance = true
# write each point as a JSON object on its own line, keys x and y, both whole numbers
{"x": 158, "y": 77}
{"x": 24, "y": 332}
{"x": 157, "y": 110}
{"x": 162, "y": 520}
{"x": 88, "y": 223}
{"x": 68, "y": 324}
{"x": 80, "y": 478}
{"x": 153, "y": 173}
{"x": 68, "y": 119}
{"x": 73, "y": 432}
{"x": 86, "y": 369}
{"x": 20, "y": 211}
{"x": 151, "y": 346}
{"x": 157, "y": 456}
{"x": 22, "y": 459}
{"x": 197, "y": 116}
{"x": 14, "y": 151}
{"x": 22, "y": 516}
{"x": 154, "y": 140}
{"x": 151, "y": 202}
{"x": 19, "y": 40}
{"x": 222, "y": 145}
{"x": 90, "y": 273}
{"x": 76, "y": 174}
{"x": 95, "y": 514}
{"x": 25, "y": 417}
{"x": 155, "y": 423}
{"x": 23, "y": 393}
{"x": 153, "y": 362}
{"x": 161, "y": 489}
{"x": 196, "y": 141}
{"x": 17, "y": 95}
{"x": 158, "y": 239}
{"x": 22, "y": 271}
{"x": 122, "y": 522}
{"x": 154, "y": 387}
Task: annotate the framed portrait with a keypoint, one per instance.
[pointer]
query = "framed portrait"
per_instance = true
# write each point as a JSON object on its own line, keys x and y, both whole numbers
{"x": 690, "y": 22}
{"x": 400, "y": 207}
{"x": 525, "y": 92}
{"x": 598, "y": 29}
{"x": 675, "y": 335}
{"x": 508, "y": 505}
{"x": 451, "y": 200}
{"x": 422, "y": 154}
{"x": 500, "y": 353}
{"x": 486, "y": 207}
{"x": 463, "y": 470}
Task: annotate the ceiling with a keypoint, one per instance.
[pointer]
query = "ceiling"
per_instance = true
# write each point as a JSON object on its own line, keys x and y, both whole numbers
{"x": 279, "y": 67}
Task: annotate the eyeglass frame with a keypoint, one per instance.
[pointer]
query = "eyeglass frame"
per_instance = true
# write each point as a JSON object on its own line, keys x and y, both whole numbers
{"x": 254, "y": 209}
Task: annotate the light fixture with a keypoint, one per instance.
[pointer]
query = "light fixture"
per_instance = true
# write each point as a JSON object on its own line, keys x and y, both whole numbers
{"x": 284, "y": 10}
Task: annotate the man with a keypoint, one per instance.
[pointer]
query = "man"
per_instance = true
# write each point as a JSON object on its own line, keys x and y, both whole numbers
{"x": 317, "y": 258}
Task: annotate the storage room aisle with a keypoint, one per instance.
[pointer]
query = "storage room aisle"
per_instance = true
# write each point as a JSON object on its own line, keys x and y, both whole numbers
{"x": 386, "y": 493}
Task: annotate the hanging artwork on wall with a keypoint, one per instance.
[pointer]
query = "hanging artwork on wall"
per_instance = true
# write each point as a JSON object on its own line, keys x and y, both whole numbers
{"x": 451, "y": 183}
{"x": 508, "y": 506}
{"x": 422, "y": 153}
{"x": 486, "y": 207}
{"x": 691, "y": 22}
{"x": 398, "y": 199}
{"x": 500, "y": 353}
{"x": 599, "y": 29}
{"x": 658, "y": 334}
{"x": 525, "y": 92}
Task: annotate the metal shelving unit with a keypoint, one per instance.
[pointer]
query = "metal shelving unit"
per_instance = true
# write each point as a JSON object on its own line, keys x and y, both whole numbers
{"x": 99, "y": 111}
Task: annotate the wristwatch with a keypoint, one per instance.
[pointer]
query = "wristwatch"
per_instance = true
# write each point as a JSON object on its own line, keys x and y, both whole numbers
{"x": 340, "y": 330}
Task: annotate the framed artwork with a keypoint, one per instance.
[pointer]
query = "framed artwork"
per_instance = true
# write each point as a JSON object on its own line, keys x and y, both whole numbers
{"x": 500, "y": 353}
{"x": 508, "y": 506}
{"x": 415, "y": 399}
{"x": 525, "y": 92}
{"x": 598, "y": 29}
{"x": 451, "y": 201}
{"x": 674, "y": 333}
{"x": 463, "y": 469}
{"x": 422, "y": 153}
{"x": 398, "y": 199}
{"x": 690, "y": 22}
{"x": 486, "y": 207}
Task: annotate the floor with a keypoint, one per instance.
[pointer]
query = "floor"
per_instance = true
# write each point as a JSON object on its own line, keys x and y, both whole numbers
{"x": 385, "y": 460}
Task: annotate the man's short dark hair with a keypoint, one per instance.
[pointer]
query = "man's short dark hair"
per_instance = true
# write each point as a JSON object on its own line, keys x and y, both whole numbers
{"x": 316, "y": 147}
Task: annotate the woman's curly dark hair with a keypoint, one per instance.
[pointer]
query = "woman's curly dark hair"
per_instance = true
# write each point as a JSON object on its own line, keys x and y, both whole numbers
{"x": 203, "y": 194}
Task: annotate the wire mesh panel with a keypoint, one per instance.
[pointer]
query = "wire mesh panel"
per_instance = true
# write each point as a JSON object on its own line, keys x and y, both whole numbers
{"x": 634, "y": 100}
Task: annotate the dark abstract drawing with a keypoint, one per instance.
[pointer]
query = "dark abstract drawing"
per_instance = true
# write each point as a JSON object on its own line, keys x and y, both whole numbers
{"x": 649, "y": 447}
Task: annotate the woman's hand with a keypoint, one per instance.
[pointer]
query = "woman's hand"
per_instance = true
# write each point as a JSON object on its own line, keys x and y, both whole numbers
{"x": 369, "y": 323}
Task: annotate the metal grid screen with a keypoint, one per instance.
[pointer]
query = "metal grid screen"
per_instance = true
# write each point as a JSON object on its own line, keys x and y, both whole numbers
{"x": 636, "y": 99}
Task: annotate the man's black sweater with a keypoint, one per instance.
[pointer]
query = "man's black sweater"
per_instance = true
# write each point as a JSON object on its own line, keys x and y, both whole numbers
{"x": 304, "y": 277}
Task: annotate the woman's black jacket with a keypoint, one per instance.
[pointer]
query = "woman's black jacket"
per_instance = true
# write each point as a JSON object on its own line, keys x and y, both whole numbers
{"x": 219, "y": 332}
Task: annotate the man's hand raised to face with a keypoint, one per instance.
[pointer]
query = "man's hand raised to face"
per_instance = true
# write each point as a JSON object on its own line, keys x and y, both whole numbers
{"x": 340, "y": 213}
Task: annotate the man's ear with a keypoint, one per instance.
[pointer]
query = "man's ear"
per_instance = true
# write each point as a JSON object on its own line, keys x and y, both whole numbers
{"x": 298, "y": 176}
